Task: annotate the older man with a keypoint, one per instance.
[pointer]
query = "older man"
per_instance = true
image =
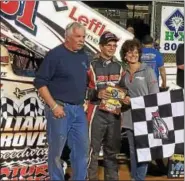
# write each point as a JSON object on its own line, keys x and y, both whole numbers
{"x": 63, "y": 89}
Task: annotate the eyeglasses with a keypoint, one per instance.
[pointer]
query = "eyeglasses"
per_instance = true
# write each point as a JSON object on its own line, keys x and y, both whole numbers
{"x": 110, "y": 46}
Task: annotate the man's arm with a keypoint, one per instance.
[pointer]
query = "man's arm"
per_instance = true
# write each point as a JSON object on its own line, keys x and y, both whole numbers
{"x": 162, "y": 71}
{"x": 180, "y": 67}
{"x": 160, "y": 66}
{"x": 152, "y": 83}
{"x": 180, "y": 57}
{"x": 45, "y": 72}
{"x": 45, "y": 94}
{"x": 43, "y": 77}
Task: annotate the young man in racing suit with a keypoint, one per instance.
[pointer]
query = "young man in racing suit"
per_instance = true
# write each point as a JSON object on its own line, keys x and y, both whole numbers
{"x": 104, "y": 127}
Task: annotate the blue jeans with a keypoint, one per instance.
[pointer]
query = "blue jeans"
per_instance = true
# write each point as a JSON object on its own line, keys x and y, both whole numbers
{"x": 73, "y": 128}
{"x": 138, "y": 170}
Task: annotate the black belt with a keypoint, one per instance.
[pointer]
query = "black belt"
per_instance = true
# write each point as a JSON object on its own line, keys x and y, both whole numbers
{"x": 63, "y": 103}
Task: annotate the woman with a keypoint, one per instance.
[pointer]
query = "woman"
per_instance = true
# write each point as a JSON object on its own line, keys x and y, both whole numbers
{"x": 140, "y": 80}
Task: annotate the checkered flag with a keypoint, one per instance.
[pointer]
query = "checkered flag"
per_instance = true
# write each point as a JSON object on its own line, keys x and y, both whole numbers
{"x": 8, "y": 107}
{"x": 30, "y": 107}
{"x": 158, "y": 121}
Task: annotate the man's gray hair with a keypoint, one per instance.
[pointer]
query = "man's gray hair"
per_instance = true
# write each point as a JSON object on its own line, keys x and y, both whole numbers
{"x": 71, "y": 26}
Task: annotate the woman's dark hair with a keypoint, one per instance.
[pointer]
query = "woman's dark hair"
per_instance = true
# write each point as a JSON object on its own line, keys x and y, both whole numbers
{"x": 130, "y": 45}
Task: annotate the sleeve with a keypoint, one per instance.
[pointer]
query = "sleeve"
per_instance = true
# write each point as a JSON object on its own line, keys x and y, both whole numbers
{"x": 152, "y": 82}
{"x": 92, "y": 93}
{"x": 45, "y": 72}
{"x": 160, "y": 61}
{"x": 180, "y": 55}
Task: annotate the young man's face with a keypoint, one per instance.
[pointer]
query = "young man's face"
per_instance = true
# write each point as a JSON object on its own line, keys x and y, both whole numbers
{"x": 109, "y": 49}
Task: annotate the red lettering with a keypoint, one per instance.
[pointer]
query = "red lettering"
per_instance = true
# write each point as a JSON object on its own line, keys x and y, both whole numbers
{"x": 41, "y": 170}
{"x": 102, "y": 78}
{"x": 5, "y": 171}
{"x": 93, "y": 21}
{"x": 31, "y": 170}
{"x": 30, "y": 178}
{"x": 26, "y": 18}
{"x": 10, "y": 7}
{"x": 15, "y": 171}
{"x": 84, "y": 20}
{"x": 24, "y": 171}
{"x": 113, "y": 77}
{"x": 93, "y": 25}
{"x": 101, "y": 30}
{"x": 97, "y": 25}
{"x": 27, "y": 171}
{"x": 71, "y": 15}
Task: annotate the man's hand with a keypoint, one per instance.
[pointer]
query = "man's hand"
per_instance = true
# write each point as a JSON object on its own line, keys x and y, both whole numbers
{"x": 126, "y": 100}
{"x": 163, "y": 76}
{"x": 59, "y": 112}
{"x": 103, "y": 94}
{"x": 163, "y": 85}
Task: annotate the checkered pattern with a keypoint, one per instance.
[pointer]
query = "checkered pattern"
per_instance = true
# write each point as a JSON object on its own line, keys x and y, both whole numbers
{"x": 30, "y": 107}
{"x": 170, "y": 106}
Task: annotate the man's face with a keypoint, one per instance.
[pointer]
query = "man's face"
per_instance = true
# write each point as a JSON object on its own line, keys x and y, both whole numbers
{"x": 77, "y": 38}
{"x": 109, "y": 49}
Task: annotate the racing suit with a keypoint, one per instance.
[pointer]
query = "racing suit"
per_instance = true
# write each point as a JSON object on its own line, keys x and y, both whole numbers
{"x": 104, "y": 127}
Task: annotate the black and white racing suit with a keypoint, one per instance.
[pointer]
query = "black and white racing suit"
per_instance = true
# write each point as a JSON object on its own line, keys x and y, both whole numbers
{"x": 104, "y": 127}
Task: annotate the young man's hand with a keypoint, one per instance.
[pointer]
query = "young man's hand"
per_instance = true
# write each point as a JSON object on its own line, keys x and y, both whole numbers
{"x": 103, "y": 94}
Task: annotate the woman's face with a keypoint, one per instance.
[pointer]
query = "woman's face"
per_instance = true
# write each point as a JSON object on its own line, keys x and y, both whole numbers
{"x": 132, "y": 56}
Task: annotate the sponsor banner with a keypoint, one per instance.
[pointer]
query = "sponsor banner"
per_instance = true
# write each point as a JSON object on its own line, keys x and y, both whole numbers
{"x": 23, "y": 133}
{"x": 176, "y": 166}
{"x": 172, "y": 28}
{"x": 40, "y": 25}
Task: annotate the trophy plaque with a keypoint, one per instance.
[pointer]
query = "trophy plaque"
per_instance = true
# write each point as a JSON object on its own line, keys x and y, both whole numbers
{"x": 113, "y": 104}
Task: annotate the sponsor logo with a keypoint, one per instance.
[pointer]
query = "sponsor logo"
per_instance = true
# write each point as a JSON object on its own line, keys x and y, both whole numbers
{"x": 175, "y": 32}
{"x": 24, "y": 13}
{"x": 160, "y": 129}
{"x": 175, "y": 24}
{"x": 140, "y": 78}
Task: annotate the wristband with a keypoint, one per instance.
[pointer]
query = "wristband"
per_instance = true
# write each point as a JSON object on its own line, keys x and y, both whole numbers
{"x": 54, "y": 107}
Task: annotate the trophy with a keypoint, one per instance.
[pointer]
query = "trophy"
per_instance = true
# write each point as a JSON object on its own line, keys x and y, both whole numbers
{"x": 113, "y": 104}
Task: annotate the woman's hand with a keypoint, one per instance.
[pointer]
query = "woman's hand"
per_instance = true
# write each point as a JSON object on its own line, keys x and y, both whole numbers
{"x": 126, "y": 100}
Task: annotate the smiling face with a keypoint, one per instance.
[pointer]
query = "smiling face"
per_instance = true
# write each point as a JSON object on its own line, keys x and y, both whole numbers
{"x": 108, "y": 50}
{"x": 132, "y": 56}
{"x": 131, "y": 51}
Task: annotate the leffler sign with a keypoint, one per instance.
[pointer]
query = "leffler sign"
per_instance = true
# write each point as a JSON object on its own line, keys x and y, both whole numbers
{"x": 172, "y": 28}
{"x": 43, "y": 22}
